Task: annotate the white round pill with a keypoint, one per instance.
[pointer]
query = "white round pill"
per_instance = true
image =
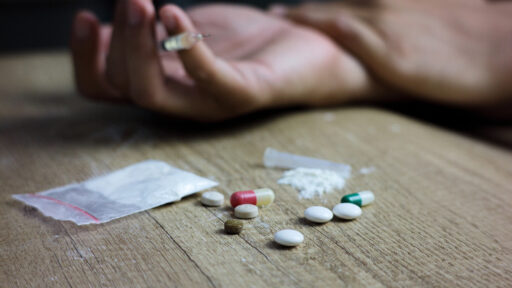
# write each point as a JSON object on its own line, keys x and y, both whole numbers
{"x": 347, "y": 211}
{"x": 289, "y": 237}
{"x": 318, "y": 214}
{"x": 246, "y": 211}
{"x": 212, "y": 198}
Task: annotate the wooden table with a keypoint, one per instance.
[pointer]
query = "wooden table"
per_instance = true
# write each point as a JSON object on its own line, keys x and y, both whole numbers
{"x": 442, "y": 215}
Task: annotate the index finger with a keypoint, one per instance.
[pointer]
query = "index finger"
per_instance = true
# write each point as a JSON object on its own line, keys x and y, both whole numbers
{"x": 88, "y": 52}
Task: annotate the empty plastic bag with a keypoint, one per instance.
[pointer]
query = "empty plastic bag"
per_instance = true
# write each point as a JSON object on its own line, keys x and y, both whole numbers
{"x": 123, "y": 192}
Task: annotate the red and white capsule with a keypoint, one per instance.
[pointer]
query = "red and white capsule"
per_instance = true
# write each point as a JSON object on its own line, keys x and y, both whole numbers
{"x": 258, "y": 197}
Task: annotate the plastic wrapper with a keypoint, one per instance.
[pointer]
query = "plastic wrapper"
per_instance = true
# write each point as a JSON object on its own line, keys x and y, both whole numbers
{"x": 123, "y": 192}
{"x": 274, "y": 158}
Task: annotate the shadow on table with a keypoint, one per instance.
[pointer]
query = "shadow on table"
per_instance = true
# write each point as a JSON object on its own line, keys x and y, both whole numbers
{"x": 274, "y": 246}
{"x": 494, "y": 128}
{"x": 71, "y": 120}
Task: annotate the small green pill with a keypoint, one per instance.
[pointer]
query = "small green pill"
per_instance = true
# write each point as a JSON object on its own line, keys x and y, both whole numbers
{"x": 233, "y": 226}
{"x": 360, "y": 199}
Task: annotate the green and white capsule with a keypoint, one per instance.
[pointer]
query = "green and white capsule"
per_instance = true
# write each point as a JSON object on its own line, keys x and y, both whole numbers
{"x": 362, "y": 198}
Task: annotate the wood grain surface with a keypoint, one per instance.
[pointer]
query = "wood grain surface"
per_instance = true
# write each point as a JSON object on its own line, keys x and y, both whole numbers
{"x": 442, "y": 215}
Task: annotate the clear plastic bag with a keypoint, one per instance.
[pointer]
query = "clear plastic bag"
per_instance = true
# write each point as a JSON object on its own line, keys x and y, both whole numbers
{"x": 123, "y": 192}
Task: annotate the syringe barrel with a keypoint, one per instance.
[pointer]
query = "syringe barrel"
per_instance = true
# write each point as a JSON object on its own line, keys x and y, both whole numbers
{"x": 181, "y": 41}
{"x": 274, "y": 158}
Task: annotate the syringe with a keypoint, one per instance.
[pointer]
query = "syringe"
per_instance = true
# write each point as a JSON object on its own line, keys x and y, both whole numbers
{"x": 182, "y": 41}
{"x": 274, "y": 158}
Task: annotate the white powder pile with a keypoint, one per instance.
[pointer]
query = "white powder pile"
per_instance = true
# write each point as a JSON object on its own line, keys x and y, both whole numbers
{"x": 312, "y": 182}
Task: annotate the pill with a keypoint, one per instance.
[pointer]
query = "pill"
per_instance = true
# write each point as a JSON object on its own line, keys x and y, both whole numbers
{"x": 360, "y": 199}
{"x": 289, "y": 237}
{"x": 259, "y": 197}
{"x": 318, "y": 214}
{"x": 233, "y": 226}
{"x": 347, "y": 211}
{"x": 212, "y": 198}
{"x": 246, "y": 211}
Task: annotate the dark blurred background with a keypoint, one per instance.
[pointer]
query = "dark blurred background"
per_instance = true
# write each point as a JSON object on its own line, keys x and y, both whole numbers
{"x": 46, "y": 24}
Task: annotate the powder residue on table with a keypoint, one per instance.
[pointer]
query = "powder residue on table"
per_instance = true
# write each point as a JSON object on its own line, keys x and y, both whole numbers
{"x": 367, "y": 170}
{"x": 312, "y": 182}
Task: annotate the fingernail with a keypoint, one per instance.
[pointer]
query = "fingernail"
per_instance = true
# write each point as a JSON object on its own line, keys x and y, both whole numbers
{"x": 82, "y": 28}
{"x": 134, "y": 13}
{"x": 278, "y": 10}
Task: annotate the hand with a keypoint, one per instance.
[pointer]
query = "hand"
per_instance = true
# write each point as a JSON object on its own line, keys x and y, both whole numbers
{"x": 454, "y": 52}
{"x": 252, "y": 61}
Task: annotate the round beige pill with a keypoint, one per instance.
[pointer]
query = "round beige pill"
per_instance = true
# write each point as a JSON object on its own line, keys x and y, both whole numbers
{"x": 212, "y": 198}
{"x": 246, "y": 211}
